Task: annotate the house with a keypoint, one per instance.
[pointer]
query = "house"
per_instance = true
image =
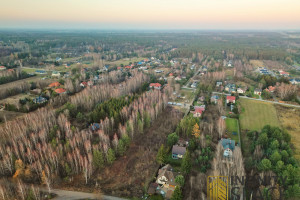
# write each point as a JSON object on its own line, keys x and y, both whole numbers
{"x": 39, "y": 100}
{"x": 58, "y": 59}
{"x": 55, "y": 84}
{"x": 194, "y": 85}
{"x": 60, "y": 91}
{"x": 55, "y": 74}
{"x": 295, "y": 81}
{"x": 166, "y": 181}
{"x": 95, "y": 126}
{"x": 270, "y": 89}
{"x": 198, "y": 111}
{"x": 178, "y": 151}
{"x": 178, "y": 78}
{"x": 283, "y": 73}
{"x": 214, "y": 99}
{"x": 90, "y": 83}
{"x": 241, "y": 90}
{"x": 218, "y": 84}
{"x": 40, "y": 72}
{"x": 128, "y": 67}
{"x": 171, "y": 74}
{"x": 155, "y": 86}
{"x": 201, "y": 99}
{"x": 257, "y": 91}
{"x": 230, "y": 88}
{"x": 2, "y": 68}
{"x": 230, "y": 99}
{"x": 228, "y": 146}
{"x": 83, "y": 84}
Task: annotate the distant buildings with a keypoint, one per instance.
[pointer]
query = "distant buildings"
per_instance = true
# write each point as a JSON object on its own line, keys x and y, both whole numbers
{"x": 214, "y": 99}
{"x": 178, "y": 151}
{"x": 55, "y": 74}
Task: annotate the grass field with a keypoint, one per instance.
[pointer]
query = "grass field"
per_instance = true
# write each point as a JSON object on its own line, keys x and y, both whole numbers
{"x": 232, "y": 126}
{"x": 256, "y": 114}
{"x": 290, "y": 120}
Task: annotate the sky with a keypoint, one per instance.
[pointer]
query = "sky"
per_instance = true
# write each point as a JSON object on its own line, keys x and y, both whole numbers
{"x": 150, "y": 14}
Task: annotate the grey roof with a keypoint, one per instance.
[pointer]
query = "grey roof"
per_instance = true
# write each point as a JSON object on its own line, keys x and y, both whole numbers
{"x": 228, "y": 143}
{"x": 178, "y": 150}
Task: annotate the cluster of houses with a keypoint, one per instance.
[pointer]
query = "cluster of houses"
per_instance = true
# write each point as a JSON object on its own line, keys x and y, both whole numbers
{"x": 56, "y": 87}
{"x": 165, "y": 181}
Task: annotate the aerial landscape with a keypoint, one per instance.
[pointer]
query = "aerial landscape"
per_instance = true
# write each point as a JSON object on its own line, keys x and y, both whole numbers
{"x": 104, "y": 106}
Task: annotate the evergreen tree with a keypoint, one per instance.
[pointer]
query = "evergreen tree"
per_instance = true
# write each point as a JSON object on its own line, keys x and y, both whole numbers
{"x": 177, "y": 194}
{"x": 186, "y": 163}
{"x": 172, "y": 139}
{"x": 110, "y": 156}
{"x": 98, "y": 159}
{"x": 161, "y": 155}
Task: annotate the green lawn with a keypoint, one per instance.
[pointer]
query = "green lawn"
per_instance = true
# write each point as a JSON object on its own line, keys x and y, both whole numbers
{"x": 256, "y": 114}
{"x": 232, "y": 126}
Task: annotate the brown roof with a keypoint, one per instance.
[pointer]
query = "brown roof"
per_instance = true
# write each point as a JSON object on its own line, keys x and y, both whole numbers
{"x": 167, "y": 171}
{"x": 152, "y": 188}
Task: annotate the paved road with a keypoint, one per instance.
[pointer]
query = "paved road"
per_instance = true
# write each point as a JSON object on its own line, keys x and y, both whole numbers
{"x": 274, "y": 102}
{"x": 71, "y": 195}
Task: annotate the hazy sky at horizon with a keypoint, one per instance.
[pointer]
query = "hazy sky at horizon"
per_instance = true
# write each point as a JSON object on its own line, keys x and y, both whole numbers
{"x": 151, "y": 14}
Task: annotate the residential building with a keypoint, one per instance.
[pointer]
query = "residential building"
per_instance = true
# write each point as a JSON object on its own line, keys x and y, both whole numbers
{"x": 60, "y": 91}
{"x": 2, "y": 68}
{"x": 228, "y": 146}
{"x": 155, "y": 86}
{"x": 214, "y": 99}
{"x": 257, "y": 91}
{"x": 55, "y": 74}
{"x": 218, "y": 84}
{"x": 55, "y": 84}
{"x": 178, "y": 151}
{"x": 230, "y": 99}
{"x": 39, "y": 100}
{"x": 166, "y": 181}
{"x": 241, "y": 90}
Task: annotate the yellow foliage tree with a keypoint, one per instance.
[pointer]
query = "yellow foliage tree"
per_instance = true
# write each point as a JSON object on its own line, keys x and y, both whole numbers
{"x": 19, "y": 166}
{"x": 196, "y": 131}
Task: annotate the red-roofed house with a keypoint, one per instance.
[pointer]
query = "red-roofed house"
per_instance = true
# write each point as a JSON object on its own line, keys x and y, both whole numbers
{"x": 60, "y": 90}
{"x": 128, "y": 67}
{"x": 171, "y": 74}
{"x": 230, "y": 99}
{"x": 198, "y": 111}
{"x": 155, "y": 86}
{"x": 55, "y": 84}
{"x": 283, "y": 73}
{"x": 83, "y": 84}
{"x": 2, "y": 68}
{"x": 119, "y": 68}
{"x": 11, "y": 70}
{"x": 270, "y": 89}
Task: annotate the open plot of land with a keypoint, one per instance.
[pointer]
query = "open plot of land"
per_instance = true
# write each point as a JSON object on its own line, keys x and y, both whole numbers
{"x": 290, "y": 120}
{"x": 256, "y": 114}
{"x": 257, "y": 63}
{"x": 124, "y": 61}
{"x": 231, "y": 127}
{"x": 130, "y": 174}
{"x": 8, "y": 115}
{"x": 15, "y": 99}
